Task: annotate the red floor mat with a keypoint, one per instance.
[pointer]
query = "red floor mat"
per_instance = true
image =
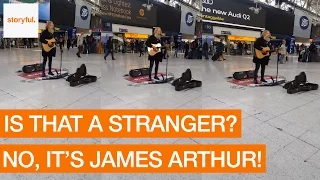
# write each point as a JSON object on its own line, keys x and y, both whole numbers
{"x": 247, "y": 82}
{"x": 141, "y": 79}
{"x": 34, "y": 75}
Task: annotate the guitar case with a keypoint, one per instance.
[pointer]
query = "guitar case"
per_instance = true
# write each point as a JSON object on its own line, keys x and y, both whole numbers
{"x": 81, "y": 77}
{"x": 38, "y": 67}
{"x": 144, "y": 71}
{"x": 139, "y": 72}
{"x": 300, "y": 84}
{"x": 250, "y": 74}
{"x": 243, "y": 75}
{"x": 28, "y": 68}
{"x": 32, "y": 68}
{"x": 135, "y": 73}
{"x": 240, "y": 75}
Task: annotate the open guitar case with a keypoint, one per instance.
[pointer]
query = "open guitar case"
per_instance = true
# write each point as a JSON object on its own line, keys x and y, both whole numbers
{"x": 186, "y": 82}
{"x": 300, "y": 84}
{"x": 81, "y": 77}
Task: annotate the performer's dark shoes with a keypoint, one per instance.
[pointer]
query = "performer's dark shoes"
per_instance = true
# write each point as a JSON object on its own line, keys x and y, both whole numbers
{"x": 263, "y": 80}
{"x": 44, "y": 75}
{"x": 156, "y": 77}
{"x": 255, "y": 81}
{"x": 50, "y": 73}
{"x": 113, "y": 59}
{"x": 150, "y": 79}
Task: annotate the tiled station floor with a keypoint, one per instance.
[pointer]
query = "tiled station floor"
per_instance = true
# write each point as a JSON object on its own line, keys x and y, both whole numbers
{"x": 288, "y": 124}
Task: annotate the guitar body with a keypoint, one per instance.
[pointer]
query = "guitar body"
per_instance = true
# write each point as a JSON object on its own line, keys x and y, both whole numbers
{"x": 152, "y": 51}
{"x": 51, "y": 44}
{"x": 261, "y": 54}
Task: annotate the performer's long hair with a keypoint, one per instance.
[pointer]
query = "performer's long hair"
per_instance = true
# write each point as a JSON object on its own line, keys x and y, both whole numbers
{"x": 50, "y": 27}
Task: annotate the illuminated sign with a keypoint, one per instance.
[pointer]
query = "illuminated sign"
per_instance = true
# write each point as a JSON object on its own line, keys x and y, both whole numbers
{"x": 136, "y": 36}
{"x": 241, "y": 38}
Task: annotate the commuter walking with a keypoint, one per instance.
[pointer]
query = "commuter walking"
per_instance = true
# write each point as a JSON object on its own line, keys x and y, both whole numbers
{"x": 240, "y": 47}
{"x": 220, "y": 49}
{"x": 68, "y": 43}
{"x": 282, "y": 51}
{"x": 186, "y": 50}
{"x": 141, "y": 46}
{"x": 80, "y": 45}
{"x": 109, "y": 49}
{"x": 246, "y": 47}
{"x": 176, "y": 49}
{"x": 206, "y": 50}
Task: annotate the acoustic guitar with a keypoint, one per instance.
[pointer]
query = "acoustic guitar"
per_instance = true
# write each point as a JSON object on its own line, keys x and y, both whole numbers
{"x": 152, "y": 51}
{"x": 261, "y": 54}
{"x": 50, "y": 45}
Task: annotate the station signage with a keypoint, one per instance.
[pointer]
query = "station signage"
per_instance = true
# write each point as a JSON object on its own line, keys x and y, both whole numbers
{"x": 302, "y": 24}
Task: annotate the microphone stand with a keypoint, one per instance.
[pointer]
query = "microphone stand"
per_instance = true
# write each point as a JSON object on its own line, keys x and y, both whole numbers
{"x": 276, "y": 83}
{"x": 59, "y": 74}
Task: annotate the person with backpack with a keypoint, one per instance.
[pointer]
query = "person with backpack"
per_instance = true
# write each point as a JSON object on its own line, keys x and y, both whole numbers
{"x": 109, "y": 49}
{"x": 141, "y": 47}
{"x": 186, "y": 50}
{"x": 80, "y": 40}
{"x": 246, "y": 47}
{"x": 220, "y": 49}
{"x": 206, "y": 49}
{"x": 176, "y": 49}
{"x": 89, "y": 43}
{"x": 282, "y": 51}
{"x": 68, "y": 43}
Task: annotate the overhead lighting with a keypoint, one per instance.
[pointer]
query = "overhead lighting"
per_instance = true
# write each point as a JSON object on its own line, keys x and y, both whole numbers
{"x": 256, "y": 9}
{"x": 148, "y": 6}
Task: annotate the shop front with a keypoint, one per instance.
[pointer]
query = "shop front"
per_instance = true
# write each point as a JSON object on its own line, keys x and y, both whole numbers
{"x": 232, "y": 22}
{"x": 125, "y": 37}
{"x": 232, "y": 37}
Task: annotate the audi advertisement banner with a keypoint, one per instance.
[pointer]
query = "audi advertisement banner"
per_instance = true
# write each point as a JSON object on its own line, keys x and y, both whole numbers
{"x": 302, "y": 24}
{"x": 229, "y": 12}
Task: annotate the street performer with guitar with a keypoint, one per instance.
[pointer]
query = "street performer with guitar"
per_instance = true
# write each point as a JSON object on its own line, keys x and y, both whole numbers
{"x": 48, "y": 47}
{"x": 262, "y": 55}
{"x": 155, "y": 52}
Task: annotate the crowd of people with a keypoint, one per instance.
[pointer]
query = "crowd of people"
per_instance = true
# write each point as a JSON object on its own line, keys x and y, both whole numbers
{"x": 239, "y": 48}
